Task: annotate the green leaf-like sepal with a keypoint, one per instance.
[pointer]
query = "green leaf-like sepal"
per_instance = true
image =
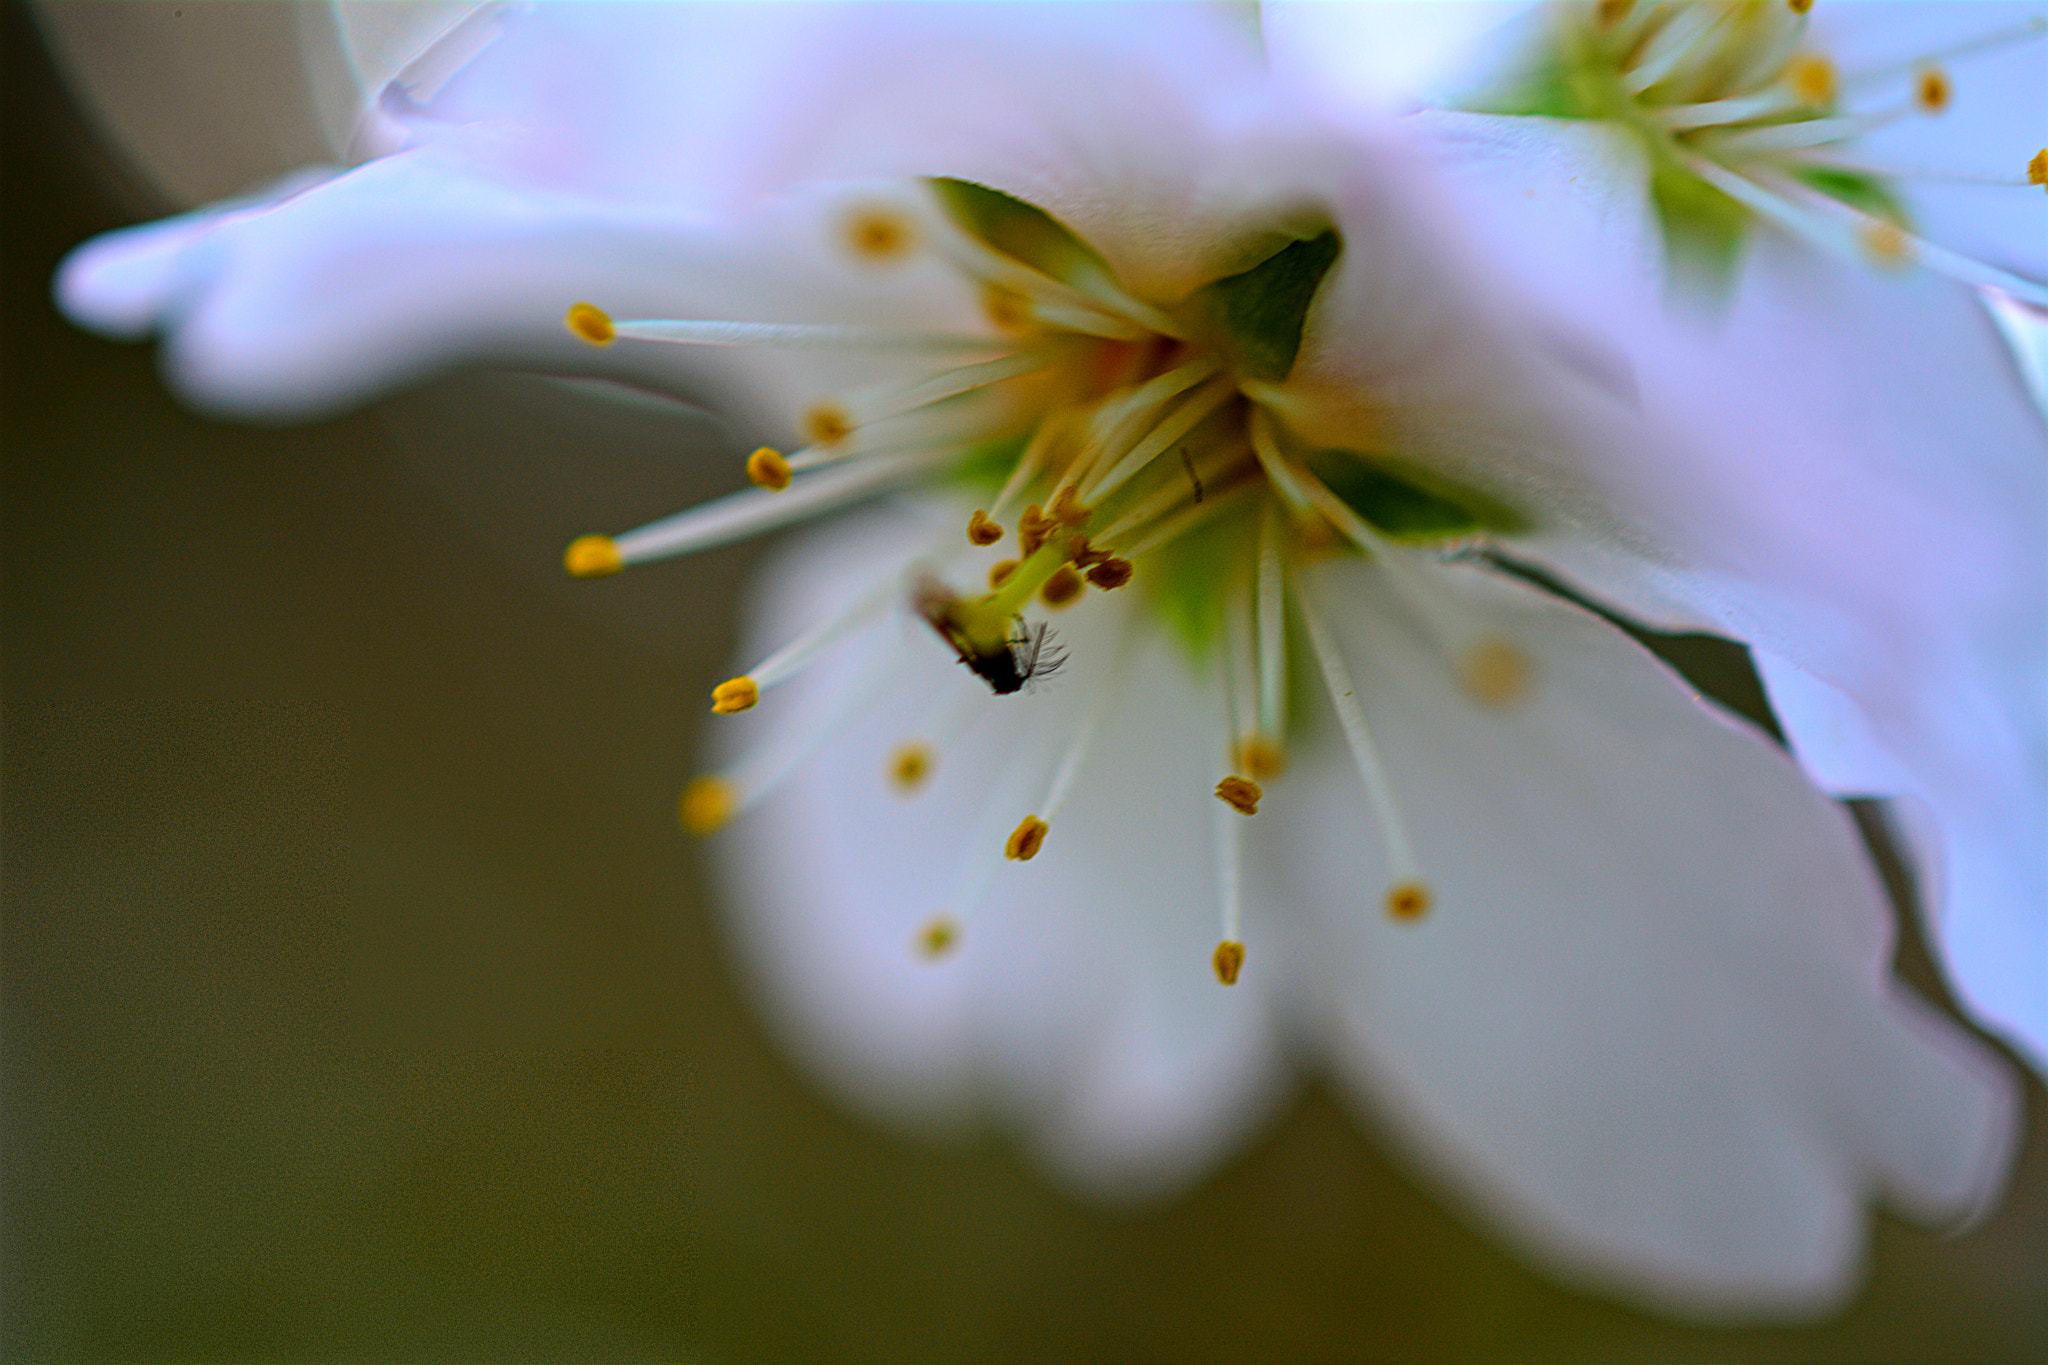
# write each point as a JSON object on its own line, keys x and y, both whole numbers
{"x": 1408, "y": 503}
{"x": 1259, "y": 315}
{"x": 1007, "y": 224}
{"x": 1704, "y": 232}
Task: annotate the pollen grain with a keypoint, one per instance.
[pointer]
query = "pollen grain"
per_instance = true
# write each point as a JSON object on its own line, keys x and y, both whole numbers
{"x": 1813, "y": 80}
{"x": 827, "y": 424}
{"x": 878, "y": 234}
{"x": 1495, "y": 674}
{"x": 1229, "y": 961}
{"x": 937, "y": 937}
{"x": 1931, "y": 91}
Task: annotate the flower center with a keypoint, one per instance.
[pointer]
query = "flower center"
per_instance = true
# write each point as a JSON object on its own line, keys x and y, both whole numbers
{"x": 1744, "y": 119}
{"x": 1108, "y": 442}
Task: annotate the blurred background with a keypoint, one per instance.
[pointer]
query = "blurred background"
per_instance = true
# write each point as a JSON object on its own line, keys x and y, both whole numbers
{"x": 363, "y": 1002}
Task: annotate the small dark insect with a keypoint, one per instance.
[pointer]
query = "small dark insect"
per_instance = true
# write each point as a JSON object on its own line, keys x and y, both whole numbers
{"x": 1187, "y": 463}
{"x": 1026, "y": 656}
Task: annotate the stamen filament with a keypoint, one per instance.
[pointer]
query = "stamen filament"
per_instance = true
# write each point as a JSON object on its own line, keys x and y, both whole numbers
{"x": 790, "y": 660}
{"x": 1184, "y": 419}
{"x": 894, "y": 400}
{"x": 1736, "y": 109}
{"x": 1365, "y": 754}
{"x": 1270, "y": 605}
{"x": 1032, "y": 460}
{"x": 1791, "y": 137}
{"x": 800, "y": 336}
{"x": 757, "y": 510}
{"x": 1228, "y": 829}
{"x": 1667, "y": 50}
{"x": 2004, "y": 37}
{"x": 1187, "y": 519}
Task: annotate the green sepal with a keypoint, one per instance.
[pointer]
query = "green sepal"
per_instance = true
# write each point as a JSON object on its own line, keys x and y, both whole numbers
{"x": 1704, "y": 232}
{"x": 1864, "y": 193}
{"x": 1407, "y": 503}
{"x": 1259, "y": 314}
{"x": 1007, "y": 224}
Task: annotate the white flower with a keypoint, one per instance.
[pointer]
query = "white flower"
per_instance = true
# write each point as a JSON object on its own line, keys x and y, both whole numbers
{"x": 1593, "y": 952}
{"x": 1892, "y": 474}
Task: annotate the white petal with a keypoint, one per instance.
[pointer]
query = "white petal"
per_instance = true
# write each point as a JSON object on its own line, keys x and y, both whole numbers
{"x": 1647, "y": 1027}
{"x": 1079, "y": 1006}
{"x": 1380, "y": 56}
{"x": 296, "y": 307}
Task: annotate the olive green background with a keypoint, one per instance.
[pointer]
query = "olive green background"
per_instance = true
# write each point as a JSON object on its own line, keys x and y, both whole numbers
{"x": 362, "y": 1002}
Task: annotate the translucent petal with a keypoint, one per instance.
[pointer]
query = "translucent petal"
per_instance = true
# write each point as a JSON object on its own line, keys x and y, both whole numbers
{"x": 1647, "y": 1028}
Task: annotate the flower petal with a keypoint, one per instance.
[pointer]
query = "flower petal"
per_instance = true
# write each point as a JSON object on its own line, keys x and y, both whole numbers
{"x": 1079, "y": 1004}
{"x": 1647, "y": 1027}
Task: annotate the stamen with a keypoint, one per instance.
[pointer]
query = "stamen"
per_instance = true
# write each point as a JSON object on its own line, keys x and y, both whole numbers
{"x": 827, "y": 424}
{"x": 1198, "y": 405}
{"x": 1241, "y": 794}
{"x": 2023, "y": 32}
{"x": 1495, "y": 673}
{"x": 1110, "y": 574}
{"x": 1226, "y": 831}
{"x": 735, "y": 695}
{"x": 593, "y": 557}
{"x": 788, "y": 336}
{"x": 1886, "y": 244}
{"x": 1792, "y": 137}
{"x": 1259, "y": 758}
{"x": 1118, "y": 420}
{"x": 756, "y": 510}
{"x": 1364, "y": 753}
{"x": 1188, "y": 518}
{"x": 588, "y": 321}
{"x": 1035, "y": 451}
{"x": 1062, "y": 588}
{"x": 1813, "y": 80}
{"x": 1269, "y": 613}
{"x": 1053, "y": 301}
{"x": 706, "y": 805}
{"x": 1931, "y": 92}
{"x": 2037, "y": 169}
{"x": 793, "y": 657}
{"x": 1026, "y": 840}
{"x": 982, "y": 531}
{"x": 938, "y": 937}
{"x": 1799, "y": 6}
{"x": 891, "y": 400}
{"x": 911, "y": 765}
{"x": 878, "y": 234}
{"x": 1409, "y": 901}
{"x": 1669, "y": 48}
{"x": 1000, "y": 571}
{"x": 1675, "y": 118}
{"x": 768, "y": 469}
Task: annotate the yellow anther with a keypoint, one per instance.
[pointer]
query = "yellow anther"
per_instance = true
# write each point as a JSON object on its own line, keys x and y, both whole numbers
{"x": 827, "y": 425}
{"x": 1062, "y": 588}
{"x": 1259, "y": 758}
{"x": 1886, "y": 244}
{"x": 1931, "y": 91}
{"x": 1000, "y": 571}
{"x": 1241, "y": 794}
{"x": 593, "y": 557}
{"x": 1229, "y": 961}
{"x": 1408, "y": 902}
{"x": 982, "y": 531}
{"x": 1006, "y": 308}
{"x": 735, "y": 695}
{"x": 706, "y": 805}
{"x": 1026, "y": 840}
{"x": 1495, "y": 673}
{"x": 1799, "y": 6}
{"x": 591, "y": 323}
{"x": 1110, "y": 573}
{"x": 767, "y": 468}
{"x": 1813, "y": 80}
{"x": 938, "y": 937}
{"x": 2037, "y": 169}
{"x": 878, "y": 234}
{"x": 910, "y": 765}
